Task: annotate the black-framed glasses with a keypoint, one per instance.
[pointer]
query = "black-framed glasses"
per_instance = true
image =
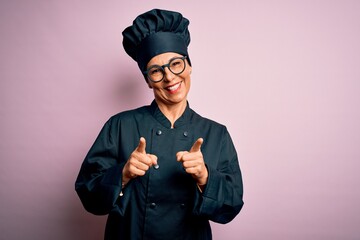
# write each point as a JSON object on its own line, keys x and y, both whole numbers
{"x": 156, "y": 73}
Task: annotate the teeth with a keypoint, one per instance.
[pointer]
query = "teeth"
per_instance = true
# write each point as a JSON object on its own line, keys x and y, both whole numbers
{"x": 172, "y": 88}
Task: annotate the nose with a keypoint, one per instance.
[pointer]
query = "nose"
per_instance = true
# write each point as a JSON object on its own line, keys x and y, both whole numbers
{"x": 168, "y": 75}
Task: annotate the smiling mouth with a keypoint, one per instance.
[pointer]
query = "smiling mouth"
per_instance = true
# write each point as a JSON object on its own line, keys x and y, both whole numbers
{"x": 173, "y": 88}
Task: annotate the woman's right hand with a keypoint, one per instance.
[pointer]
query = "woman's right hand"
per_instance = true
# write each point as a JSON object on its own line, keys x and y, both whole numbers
{"x": 138, "y": 163}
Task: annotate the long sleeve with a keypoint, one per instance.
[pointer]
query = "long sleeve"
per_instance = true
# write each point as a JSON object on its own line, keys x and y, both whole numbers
{"x": 99, "y": 181}
{"x": 222, "y": 198}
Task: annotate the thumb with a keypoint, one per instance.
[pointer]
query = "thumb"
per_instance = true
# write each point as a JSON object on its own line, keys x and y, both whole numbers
{"x": 153, "y": 159}
{"x": 197, "y": 145}
{"x": 142, "y": 145}
{"x": 179, "y": 155}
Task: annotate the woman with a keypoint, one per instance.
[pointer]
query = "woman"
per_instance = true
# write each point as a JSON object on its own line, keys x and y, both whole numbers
{"x": 161, "y": 171}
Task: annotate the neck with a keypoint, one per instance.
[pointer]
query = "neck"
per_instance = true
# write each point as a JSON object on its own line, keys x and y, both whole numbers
{"x": 172, "y": 112}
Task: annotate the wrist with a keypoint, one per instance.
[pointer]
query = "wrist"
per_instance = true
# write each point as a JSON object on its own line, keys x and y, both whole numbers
{"x": 125, "y": 179}
{"x": 201, "y": 187}
{"x": 203, "y": 179}
{"x": 202, "y": 182}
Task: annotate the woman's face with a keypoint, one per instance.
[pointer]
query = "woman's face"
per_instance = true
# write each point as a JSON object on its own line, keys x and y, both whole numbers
{"x": 173, "y": 89}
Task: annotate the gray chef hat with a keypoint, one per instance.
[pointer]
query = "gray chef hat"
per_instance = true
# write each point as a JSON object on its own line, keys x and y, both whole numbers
{"x": 156, "y": 32}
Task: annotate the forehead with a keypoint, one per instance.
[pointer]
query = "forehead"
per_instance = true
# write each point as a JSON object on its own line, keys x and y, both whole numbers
{"x": 163, "y": 58}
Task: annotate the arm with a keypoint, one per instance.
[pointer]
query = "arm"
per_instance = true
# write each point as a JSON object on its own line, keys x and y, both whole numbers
{"x": 99, "y": 181}
{"x": 108, "y": 167}
{"x": 222, "y": 198}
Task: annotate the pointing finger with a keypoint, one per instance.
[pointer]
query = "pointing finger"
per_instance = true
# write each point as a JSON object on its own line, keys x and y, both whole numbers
{"x": 197, "y": 145}
{"x": 142, "y": 145}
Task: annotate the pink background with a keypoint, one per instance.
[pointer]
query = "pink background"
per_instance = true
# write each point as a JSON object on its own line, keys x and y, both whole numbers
{"x": 284, "y": 76}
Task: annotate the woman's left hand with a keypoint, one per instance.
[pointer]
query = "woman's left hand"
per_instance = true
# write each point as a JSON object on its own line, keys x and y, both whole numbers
{"x": 193, "y": 162}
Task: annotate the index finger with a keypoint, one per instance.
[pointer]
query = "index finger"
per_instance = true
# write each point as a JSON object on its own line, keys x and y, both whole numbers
{"x": 197, "y": 145}
{"x": 142, "y": 145}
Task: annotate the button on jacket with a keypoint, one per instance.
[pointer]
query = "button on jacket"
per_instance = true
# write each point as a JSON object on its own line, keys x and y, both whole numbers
{"x": 166, "y": 202}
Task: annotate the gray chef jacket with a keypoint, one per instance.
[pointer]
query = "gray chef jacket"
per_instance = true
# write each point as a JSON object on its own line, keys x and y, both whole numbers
{"x": 165, "y": 203}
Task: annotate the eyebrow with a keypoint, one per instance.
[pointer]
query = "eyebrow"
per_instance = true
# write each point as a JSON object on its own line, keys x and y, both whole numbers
{"x": 169, "y": 60}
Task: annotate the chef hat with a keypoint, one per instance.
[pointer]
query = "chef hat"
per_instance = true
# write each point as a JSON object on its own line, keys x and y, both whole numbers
{"x": 156, "y": 32}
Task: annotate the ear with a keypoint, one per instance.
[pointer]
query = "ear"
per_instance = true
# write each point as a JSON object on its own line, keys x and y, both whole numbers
{"x": 147, "y": 82}
{"x": 149, "y": 85}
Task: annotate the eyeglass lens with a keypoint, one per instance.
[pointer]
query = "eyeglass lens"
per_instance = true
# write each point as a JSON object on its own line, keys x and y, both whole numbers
{"x": 176, "y": 66}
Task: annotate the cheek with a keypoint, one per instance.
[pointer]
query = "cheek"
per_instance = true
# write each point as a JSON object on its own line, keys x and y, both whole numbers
{"x": 188, "y": 83}
{"x": 155, "y": 86}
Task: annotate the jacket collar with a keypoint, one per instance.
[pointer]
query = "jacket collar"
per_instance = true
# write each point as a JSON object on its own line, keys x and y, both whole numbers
{"x": 160, "y": 117}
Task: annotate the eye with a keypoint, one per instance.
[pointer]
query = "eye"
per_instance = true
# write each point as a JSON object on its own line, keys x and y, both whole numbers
{"x": 154, "y": 71}
{"x": 176, "y": 63}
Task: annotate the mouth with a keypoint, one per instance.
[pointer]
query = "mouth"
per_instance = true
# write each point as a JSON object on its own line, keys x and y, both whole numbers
{"x": 173, "y": 88}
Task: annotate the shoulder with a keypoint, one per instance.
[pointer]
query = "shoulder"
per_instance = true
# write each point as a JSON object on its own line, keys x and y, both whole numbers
{"x": 129, "y": 117}
{"x": 130, "y": 114}
{"x": 207, "y": 123}
{"x": 215, "y": 134}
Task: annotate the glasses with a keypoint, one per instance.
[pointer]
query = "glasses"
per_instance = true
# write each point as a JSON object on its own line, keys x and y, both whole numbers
{"x": 156, "y": 73}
